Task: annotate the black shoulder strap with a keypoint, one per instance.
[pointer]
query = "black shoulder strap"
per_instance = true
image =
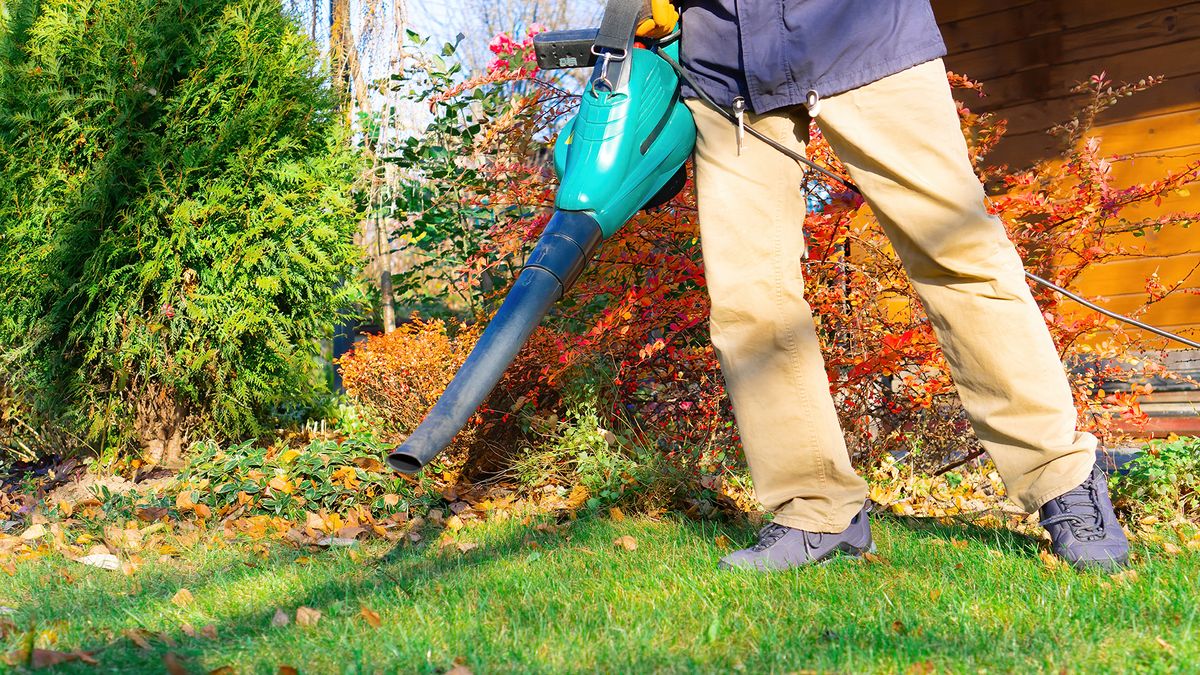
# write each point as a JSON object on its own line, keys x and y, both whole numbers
{"x": 620, "y": 20}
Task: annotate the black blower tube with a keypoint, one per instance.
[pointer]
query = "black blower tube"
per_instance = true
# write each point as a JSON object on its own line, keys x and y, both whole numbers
{"x": 561, "y": 253}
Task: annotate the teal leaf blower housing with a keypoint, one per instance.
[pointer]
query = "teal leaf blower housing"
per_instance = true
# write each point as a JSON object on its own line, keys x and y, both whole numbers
{"x": 623, "y": 151}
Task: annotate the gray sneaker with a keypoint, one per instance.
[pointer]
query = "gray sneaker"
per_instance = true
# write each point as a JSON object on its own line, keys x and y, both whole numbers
{"x": 1083, "y": 527}
{"x": 781, "y": 547}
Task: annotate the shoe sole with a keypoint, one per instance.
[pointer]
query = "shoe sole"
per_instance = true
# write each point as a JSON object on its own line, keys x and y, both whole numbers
{"x": 833, "y": 556}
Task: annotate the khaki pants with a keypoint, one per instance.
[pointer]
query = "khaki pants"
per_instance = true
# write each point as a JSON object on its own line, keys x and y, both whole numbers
{"x": 901, "y": 140}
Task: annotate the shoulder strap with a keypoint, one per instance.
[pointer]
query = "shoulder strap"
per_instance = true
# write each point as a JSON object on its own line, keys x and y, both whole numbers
{"x": 620, "y": 19}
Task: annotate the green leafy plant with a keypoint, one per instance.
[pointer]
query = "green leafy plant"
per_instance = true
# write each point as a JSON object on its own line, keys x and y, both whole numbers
{"x": 1163, "y": 481}
{"x": 324, "y": 475}
{"x": 176, "y": 217}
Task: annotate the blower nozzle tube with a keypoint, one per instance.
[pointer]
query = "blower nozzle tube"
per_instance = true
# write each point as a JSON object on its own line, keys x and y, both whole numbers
{"x": 557, "y": 261}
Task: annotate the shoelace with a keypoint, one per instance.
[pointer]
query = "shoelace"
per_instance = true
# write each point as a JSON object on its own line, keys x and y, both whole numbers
{"x": 768, "y": 535}
{"x": 1080, "y": 511}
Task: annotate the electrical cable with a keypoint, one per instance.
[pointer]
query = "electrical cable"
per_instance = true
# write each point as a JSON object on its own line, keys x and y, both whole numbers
{"x": 732, "y": 118}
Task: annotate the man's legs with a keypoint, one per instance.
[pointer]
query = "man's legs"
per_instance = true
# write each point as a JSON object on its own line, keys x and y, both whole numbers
{"x": 751, "y": 222}
{"x": 901, "y": 141}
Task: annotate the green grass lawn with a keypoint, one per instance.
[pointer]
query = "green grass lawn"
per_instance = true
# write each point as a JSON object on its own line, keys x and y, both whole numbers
{"x": 940, "y": 598}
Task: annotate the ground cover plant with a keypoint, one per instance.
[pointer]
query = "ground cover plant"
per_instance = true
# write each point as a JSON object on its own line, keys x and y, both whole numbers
{"x": 177, "y": 219}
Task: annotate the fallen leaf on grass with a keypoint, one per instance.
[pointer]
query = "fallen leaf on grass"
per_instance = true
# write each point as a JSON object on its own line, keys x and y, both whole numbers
{"x": 1126, "y": 576}
{"x": 280, "y": 619}
{"x": 307, "y": 616}
{"x": 223, "y": 670}
{"x": 959, "y": 544}
{"x": 616, "y": 514}
{"x": 371, "y": 617}
{"x": 1171, "y": 549}
{"x": 899, "y": 628}
{"x": 174, "y": 664}
{"x": 138, "y": 636}
{"x": 287, "y": 670}
{"x": 34, "y": 532}
{"x": 873, "y": 558}
{"x": 1051, "y": 561}
{"x": 45, "y": 658}
{"x": 182, "y": 598}
{"x": 1167, "y": 646}
{"x": 201, "y": 511}
{"x": 105, "y": 561}
{"x": 934, "y": 594}
{"x": 626, "y": 542}
{"x": 723, "y": 542}
{"x": 209, "y": 631}
{"x": 454, "y": 523}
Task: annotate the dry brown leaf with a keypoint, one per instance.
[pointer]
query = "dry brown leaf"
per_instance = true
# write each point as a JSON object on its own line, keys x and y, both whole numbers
{"x": 34, "y": 532}
{"x": 1051, "y": 561}
{"x": 188, "y": 630}
{"x": 899, "y": 628}
{"x": 44, "y": 658}
{"x": 454, "y": 523}
{"x": 959, "y": 543}
{"x": 616, "y": 514}
{"x": 872, "y": 558}
{"x": 138, "y": 636}
{"x": 223, "y": 670}
{"x": 1171, "y": 549}
{"x": 182, "y": 598}
{"x": 287, "y": 670}
{"x": 202, "y": 511}
{"x": 934, "y": 594}
{"x": 464, "y": 546}
{"x": 459, "y": 670}
{"x": 280, "y": 619}
{"x": 307, "y": 616}
{"x": 151, "y": 514}
{"x": 1167, "y": 646}
{"x": 209, "y": 631}
{"x": 1126, "y": 576}
{"x": 174, "y": 664}
{"x": 391, "y": 499}
{"x": 183, "y": 501}
{"x": 626, "y": 542}
{"x": 369, "y": 464}
{"x": 371, "y": 617}
{"x": 723, "y": 542}
{"x": 314, "y": 521}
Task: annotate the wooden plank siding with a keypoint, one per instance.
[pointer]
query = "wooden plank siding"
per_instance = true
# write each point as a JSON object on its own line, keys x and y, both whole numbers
{"x": 1030, "y": 53}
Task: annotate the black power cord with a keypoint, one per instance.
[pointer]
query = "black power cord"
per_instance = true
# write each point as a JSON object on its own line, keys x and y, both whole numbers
{"x": 686, "y": 77}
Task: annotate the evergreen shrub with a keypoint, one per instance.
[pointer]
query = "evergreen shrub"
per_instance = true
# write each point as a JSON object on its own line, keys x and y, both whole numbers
{"x": 176, "y": 217}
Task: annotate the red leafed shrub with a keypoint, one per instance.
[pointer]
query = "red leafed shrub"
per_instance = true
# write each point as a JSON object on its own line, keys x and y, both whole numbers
{"x": 639, "y": 314}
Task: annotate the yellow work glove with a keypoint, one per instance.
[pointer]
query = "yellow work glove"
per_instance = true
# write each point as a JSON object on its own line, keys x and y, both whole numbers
{"x": 662, "y": 18}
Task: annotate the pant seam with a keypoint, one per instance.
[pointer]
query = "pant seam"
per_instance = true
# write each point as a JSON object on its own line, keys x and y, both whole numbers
{"x": 792, "y": 348}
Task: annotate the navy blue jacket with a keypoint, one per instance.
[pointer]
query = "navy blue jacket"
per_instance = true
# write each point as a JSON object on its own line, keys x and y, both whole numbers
{"x": 773, "y": 52}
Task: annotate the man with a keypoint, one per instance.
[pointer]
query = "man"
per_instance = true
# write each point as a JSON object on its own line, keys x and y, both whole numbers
{"x": 869, "y": 74}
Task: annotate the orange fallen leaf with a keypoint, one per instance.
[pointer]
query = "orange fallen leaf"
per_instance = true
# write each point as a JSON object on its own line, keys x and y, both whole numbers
{"x": 307, "y": 616}
{"x": 454, "y": 523}
{"x": 209, "y": 631}
{"x": 1051, "y": 561}
{"x": 1167, "y": 646}
{"x": 723, "y": 542}
{"x": 872, "y": 558}
{"x": 183, "y": 501}
{"x": 202, "y": 511}
{"x": 616, "y": 514}
{"x": 626, "y": 542}
{"x": 934, "y": 594}
{"x": 223, "y": 670}
{"x": 371, "y": 617}
{"x": 391, "y": 499}
{"x": 1126, "y": 576}
{"x": 899, "y": 628}
{"x": 182, "y": 598}
{"x": 287, "y": 670}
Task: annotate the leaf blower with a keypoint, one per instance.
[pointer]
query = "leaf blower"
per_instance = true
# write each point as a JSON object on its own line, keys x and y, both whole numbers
{"x": 623, "y": 151}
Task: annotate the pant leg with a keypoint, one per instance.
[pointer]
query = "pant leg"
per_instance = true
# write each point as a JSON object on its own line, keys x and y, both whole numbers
{"x": 751, "y": 222}
{"x": 901, "y": 139}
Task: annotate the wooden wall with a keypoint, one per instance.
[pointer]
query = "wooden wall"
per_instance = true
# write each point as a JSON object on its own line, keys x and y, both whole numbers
{"x": 1029, "y": 53}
